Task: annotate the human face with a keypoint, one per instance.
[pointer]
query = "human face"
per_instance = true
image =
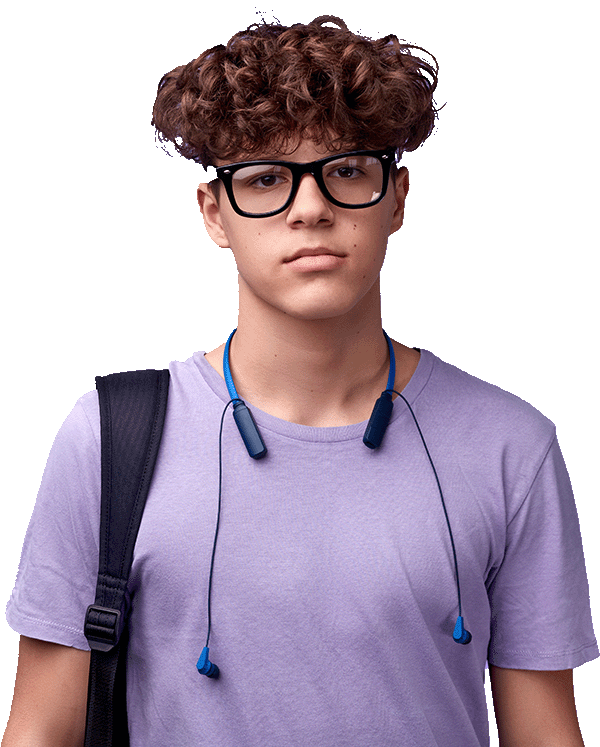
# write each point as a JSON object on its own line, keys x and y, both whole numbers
{"x": 314, "y": 260}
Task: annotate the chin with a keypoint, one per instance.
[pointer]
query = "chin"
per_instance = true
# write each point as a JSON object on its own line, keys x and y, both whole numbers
{"x": 329, "y": 301}
{"x": 314, "y": 311}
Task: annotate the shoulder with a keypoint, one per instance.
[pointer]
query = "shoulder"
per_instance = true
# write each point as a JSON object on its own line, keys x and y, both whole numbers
{"x": 479, "y": 424}
{"x": 474, "y": 401}
{"x": 79, "y": 433}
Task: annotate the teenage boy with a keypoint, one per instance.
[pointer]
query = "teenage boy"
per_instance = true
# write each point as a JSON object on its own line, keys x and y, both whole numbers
{"x": 360, "y": 582}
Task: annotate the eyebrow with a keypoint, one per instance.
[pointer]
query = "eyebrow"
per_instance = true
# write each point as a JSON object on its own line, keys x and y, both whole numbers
{"x": 284, "y": 158}
{"x": 274, "y": 156}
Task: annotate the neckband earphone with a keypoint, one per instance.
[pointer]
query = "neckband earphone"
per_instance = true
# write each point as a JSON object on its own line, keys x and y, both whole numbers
{"x": 372, "y": 438}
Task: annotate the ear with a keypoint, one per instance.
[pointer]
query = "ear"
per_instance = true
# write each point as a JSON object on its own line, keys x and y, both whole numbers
{"x": 211, "y": 212}
{"x": 400, "y": 190}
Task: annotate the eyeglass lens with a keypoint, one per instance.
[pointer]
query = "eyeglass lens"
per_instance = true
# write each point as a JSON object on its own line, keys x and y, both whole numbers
{"x": 352, "y": 180}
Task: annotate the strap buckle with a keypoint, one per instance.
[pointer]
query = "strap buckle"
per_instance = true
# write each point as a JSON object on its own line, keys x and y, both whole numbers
{"x": 102, "y": 627}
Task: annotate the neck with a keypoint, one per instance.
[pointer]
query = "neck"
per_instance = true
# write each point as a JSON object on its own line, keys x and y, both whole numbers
{"x": 320, "y": 372}
{"x": 315, "y": 373}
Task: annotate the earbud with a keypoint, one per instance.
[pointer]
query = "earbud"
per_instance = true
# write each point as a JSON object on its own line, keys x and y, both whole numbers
{"x": 206, "y": 667}
{"x": 461, "y": 634}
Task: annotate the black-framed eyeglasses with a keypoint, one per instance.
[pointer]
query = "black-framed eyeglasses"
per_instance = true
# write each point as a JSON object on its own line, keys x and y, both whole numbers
{"x": 259, "y": 189}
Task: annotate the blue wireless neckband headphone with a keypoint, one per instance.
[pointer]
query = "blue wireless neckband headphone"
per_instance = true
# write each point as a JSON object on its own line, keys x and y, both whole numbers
{"x": 378, "y": 422}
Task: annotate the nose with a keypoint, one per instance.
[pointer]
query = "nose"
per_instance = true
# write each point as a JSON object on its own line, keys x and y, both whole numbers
{"x": 309, "y": 206}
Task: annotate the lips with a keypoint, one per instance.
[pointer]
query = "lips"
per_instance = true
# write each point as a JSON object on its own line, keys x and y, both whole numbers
{"x": 313, "y": 252}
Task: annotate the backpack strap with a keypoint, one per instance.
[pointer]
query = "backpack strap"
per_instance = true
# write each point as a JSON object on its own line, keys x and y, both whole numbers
{"x": 132, "y": 412}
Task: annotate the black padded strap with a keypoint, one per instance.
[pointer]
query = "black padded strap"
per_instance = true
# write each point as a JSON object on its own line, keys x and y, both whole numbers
{"x": 132, "y": 412}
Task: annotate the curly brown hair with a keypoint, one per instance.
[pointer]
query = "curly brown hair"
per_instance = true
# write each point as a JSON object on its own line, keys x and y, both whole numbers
{"x": 273, "y": 84}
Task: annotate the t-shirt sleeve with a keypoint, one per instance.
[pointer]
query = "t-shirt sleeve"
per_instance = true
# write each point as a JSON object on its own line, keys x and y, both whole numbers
{"x": 539, "y": 596}
{"x": 57, "y": 573}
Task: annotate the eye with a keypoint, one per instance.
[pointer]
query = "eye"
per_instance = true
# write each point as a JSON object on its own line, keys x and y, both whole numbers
{"x": 261, "y": 177}
{"x": 266, "y": 180}
{"x": 345, "y": 172}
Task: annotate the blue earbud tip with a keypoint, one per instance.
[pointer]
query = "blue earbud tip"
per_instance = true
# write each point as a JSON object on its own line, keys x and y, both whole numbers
{"x": 206, "y": 667}
{"x": 461, "y": 634}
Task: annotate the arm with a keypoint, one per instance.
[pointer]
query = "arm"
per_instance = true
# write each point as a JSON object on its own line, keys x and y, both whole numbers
{"x": 535, "y": 708}
{"x": 49, "y": 703}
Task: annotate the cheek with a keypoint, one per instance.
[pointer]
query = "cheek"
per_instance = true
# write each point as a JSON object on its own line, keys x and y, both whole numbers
{"x": 369, "y": 246}
{"x": 256, "y": 260}
{"x": 246, "y": 245}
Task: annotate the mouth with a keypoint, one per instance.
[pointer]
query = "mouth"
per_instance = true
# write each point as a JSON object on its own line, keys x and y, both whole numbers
{"x": 315, "y": 260}
{"x": 318, "y": 251}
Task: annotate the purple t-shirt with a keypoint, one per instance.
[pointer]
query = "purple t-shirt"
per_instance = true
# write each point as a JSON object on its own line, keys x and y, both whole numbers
{"x": 334, "y": 592}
